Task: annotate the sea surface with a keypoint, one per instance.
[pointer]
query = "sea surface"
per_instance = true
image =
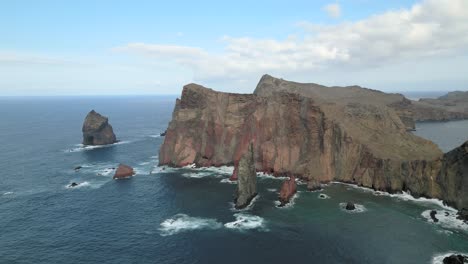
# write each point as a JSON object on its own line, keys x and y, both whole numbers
{"x": 186, "y": 215}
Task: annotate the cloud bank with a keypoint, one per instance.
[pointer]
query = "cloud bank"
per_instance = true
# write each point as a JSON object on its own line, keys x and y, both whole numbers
{"x": 429, "y": 29}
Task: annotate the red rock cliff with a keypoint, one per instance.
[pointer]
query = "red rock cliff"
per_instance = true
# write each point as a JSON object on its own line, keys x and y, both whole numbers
{"x": 311, "y": 136}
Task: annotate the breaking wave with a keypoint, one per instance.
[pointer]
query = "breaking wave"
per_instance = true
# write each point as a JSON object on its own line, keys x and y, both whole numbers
{"x": 291, "y": 203}
{"x": 81, "y": 147}
{"x": 323, "y": 196}
{"x": 248, "y": 207}
{"x": 405, "y": 196}
{"x": 359, "y": 208}
{"x": 227, "y": 180}
{"x": 447, "y": 219}
{"x": 80, "y": 185}
{"x": 7, "y": 193}
{"x": 246, "y": 222}
{"x": 183, "y": 223}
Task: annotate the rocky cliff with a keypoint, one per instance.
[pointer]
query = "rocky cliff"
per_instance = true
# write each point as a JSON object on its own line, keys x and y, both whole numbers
{"x": 310, "y": 134}
{"x": 97, "y": 130}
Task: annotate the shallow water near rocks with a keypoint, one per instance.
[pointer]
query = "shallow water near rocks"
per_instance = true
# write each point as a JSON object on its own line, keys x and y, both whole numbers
{"x": 180, "y": 215}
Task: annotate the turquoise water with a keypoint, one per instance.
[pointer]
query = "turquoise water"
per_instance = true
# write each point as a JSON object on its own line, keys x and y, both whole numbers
{"x": 180, "y": 215}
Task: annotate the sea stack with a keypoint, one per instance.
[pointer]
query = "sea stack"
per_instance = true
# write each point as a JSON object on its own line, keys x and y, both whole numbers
{"x": 97, "y": 130}
{"x": 246, "y": 179}
{"x": 288, "y": 189}
{"x": 123, "y": 171}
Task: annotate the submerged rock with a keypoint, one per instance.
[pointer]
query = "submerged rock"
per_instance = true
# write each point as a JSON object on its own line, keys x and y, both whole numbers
{"x": 350, "y": 206}
{"x": 433, "y": 216}
{"x": 455, "y": 259}
{"x": 246, "y": 179}
{"x": 288, "y": 189}
{"x": 163, "y": 134}
{"x": 123, "y": 171}
{"x": 77, "y": 168}
{"x": 73, "y": 184}
{"x": 97, "y": 130}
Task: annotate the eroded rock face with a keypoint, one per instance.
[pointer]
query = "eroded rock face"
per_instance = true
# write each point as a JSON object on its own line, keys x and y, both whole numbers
{"x": 97, "y": 130}
{"x": 288, "y": 189}
{"x": 350, "y": 206}
{"x": 123, "y": 171}
{"x": 322, "y": 138}
{"x": 246, "y": 179}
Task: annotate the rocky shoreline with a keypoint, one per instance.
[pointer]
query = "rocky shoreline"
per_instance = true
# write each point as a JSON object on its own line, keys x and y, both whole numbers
{"x": 313, "y": 134}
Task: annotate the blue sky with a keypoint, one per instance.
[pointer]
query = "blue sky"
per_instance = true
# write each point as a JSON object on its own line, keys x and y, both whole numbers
{"x": 155, "y": 47}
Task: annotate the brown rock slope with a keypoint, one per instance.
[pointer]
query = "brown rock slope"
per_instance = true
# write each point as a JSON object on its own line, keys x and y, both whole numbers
{"x": 313, "y": 135}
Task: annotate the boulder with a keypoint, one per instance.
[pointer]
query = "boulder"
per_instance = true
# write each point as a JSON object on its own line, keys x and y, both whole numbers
{"x": 463, "y": 214}
{"x": 246, "y": 179}
{"x": 313, "y": 185}
{"x": 73, "y": 184}
{"x": 97, "y": 130}
{"x": 455, "y": 259}
{"x": 350, "y": 206}
{"x": 77, "y": 168}
{"x": 163, "y": 134}
{"x": 123, "y": 171}
{"x": 288, "y": 189}
{"x": 433, "y": 216}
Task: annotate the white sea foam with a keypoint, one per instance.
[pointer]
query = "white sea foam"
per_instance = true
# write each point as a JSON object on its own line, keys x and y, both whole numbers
{"x": 81, "y": 147}
{"x": 359, "y": 208}
{"x": 183, "y": 223}
{"x": 439, "y": 258}
{"x": 263, "y": 175}
{"x": 105, "y": 172}
{"x": 447, "y": 219}
{"x": 196, "y": 174}
{"x": 291, "y": 203}
{"x": 80, "y": 185}
{"x": 248, "y": 207}
{"x": 405, "y": 196}
{"x": 245, "y": 222}
{"x": 227, "y": 180}
{"x": 8, "y": 193}
{"x": 155, "y": 136}
{"x": 323, "y": 196}
{"x": 272, "y": 190}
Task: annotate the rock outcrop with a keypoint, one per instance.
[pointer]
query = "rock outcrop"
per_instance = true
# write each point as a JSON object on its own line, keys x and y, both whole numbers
{"x": 455, "y": 259}
{"x": 123, "y": 171}
{"x": 350, "y": 206}
{"x": 97, "y": 130}
{"x": 288, "y": 189}
{"x": 317, "y": 135}
{"x": 246, "y": 179}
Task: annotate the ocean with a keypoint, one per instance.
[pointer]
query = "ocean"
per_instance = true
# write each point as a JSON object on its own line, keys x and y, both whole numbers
{"x": 186, "y": 215}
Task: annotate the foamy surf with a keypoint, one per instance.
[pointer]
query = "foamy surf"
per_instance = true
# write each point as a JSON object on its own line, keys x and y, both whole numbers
{"x": 227, "y": 180}
{"x": 80, "y": 185}
{"x": 439, "y": 258}
{"x": 291, "y": 203}
{"x": 263, "y": 176}
{"x": 183, "y": 223}
{"x": 245, "y": 222}
{"x": 323, "y": 196}
{"x": 81, "y": 147}
{"x": 405, "y": 196}
{"x": 248, "y": 207}
{"x": 447, "y": 219}
{"x": 7, "y": 193}
{"x": 359, "y": 208}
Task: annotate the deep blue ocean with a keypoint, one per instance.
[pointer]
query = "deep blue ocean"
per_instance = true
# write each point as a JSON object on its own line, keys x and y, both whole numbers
{"x": 185, "y": 215}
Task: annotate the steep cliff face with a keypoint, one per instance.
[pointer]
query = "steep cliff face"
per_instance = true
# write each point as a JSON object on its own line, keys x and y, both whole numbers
{"x": 97, "y": 130}
{"x": 246, "y": 179}
{"x": 313, "y": 137}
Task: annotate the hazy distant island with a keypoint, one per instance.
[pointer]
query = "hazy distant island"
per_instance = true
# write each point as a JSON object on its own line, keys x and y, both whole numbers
{"x": 322, "y": 134}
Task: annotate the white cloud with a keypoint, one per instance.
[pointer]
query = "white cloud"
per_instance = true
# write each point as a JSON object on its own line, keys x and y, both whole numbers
{"x": 430, "y": 29}
{"x": 333, "y": 10}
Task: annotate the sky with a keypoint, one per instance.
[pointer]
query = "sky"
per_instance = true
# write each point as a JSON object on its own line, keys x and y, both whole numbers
{"x": 101, "y": 47}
